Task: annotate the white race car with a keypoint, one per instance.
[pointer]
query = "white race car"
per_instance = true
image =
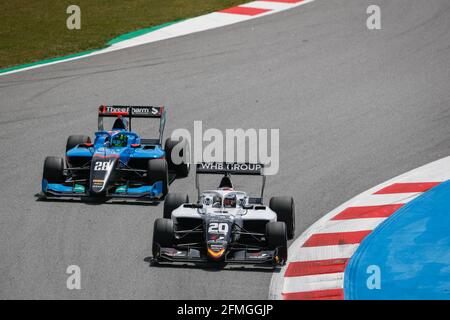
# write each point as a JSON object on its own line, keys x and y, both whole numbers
{"x": 225, "y": 226}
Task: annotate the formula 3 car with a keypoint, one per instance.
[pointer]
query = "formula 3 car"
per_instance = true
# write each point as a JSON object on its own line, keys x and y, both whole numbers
{"x": 118, "y": 164}
{"x": 225, "y": 226}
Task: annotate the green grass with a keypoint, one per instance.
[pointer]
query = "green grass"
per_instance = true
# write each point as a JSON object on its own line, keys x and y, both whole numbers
{"x": 35, "y": 30}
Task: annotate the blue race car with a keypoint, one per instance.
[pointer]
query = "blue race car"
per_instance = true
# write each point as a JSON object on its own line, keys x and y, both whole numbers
{"x": 118, "y": 164}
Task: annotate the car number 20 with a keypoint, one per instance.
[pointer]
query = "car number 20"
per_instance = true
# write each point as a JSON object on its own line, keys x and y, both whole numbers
{"x": 218, "y": 227}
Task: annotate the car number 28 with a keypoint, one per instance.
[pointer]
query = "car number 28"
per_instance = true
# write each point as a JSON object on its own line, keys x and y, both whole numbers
{"x": 218, "y": 227}
{"x": 102, "y": 165}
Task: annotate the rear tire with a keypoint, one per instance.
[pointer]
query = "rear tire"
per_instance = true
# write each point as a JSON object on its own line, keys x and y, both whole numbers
{"x": 284, "y": 207}
{"x": 157, "y": 171}
{"x": 182, "y": 169}
{"x": 163, "y": 235}
{"x": 75, "y": 140}
{"x": 173, "y": 201}
{"x": 277, "y": 238}
{"x": 54, "y": 170}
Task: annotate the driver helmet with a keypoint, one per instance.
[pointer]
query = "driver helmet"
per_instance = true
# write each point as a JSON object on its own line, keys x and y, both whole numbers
{"x": 229, "y": 201}
{"x": 119, "y": 140}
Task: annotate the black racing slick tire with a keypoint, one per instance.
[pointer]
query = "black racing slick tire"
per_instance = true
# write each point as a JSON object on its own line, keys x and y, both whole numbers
{"x": 157, "y": 171}
{"x": 54, "y": 170}
{"x": 163, "y": 235}
{"x": 284, "y": 207}
{"x": 182, "y": 169}
{"x": 173, "y": 201}
{"x": 75, "y": 140}
{"x": 277, "y": 238}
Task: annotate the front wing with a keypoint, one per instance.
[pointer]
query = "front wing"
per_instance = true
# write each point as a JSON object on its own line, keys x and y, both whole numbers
{"x": 76, "y": 191}
{"x": 240, "y": 256}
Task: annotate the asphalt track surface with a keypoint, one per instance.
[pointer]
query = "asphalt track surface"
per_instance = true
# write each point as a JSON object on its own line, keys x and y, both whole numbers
{"x": 354, "y": 107}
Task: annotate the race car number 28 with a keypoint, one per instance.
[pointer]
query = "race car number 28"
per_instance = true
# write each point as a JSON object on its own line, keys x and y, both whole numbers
{"x": 218, "y": 227}
{"x": 102, "y": 166}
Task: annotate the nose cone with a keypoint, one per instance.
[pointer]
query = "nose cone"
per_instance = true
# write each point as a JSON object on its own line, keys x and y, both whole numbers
{"x": 216, "y": 255}
{"x": 101, "y": 173}
{"x": 216, "y": 251}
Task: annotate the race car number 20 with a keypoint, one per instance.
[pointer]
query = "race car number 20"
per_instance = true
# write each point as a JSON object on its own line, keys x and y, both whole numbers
{"x": 218, "y": 227}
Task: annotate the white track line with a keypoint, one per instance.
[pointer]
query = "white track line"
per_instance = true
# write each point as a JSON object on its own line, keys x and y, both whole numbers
{"x": 278, "y": 6}
{"x": 315, "y": 282}
{"x": 382, "y": 199}
{"x": 322, "y": 253}
{"x": 333, "y": 226}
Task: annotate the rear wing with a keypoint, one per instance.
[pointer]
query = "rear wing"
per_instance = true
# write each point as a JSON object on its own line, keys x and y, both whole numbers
{"x": 227, "y": 169}
{"x": 130, "y": 112}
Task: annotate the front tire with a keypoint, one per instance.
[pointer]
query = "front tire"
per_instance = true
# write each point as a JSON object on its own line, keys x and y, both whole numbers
{"x": 173, "y": 201}
{"x": 163, "y": 235}
{"x": 182, "y": 169}
{"x": 157, "y": 171}
{"x": 285, "y": 209}
{"x": 54, "y": 170}
{"x": 277, "y": 239}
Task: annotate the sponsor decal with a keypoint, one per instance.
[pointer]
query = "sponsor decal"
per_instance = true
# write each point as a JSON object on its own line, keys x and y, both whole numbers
{"x": 114, "y": 110}
{"x": 79, "y": 188}
{"x": 243, "y": 167}
{"x": 154, "y": 111}
{"x": 216, "y": 254}
{"x": 136, "y": 111}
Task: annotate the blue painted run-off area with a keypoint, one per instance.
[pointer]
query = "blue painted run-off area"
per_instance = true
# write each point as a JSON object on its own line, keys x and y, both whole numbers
{"x": 411, "y": 249}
